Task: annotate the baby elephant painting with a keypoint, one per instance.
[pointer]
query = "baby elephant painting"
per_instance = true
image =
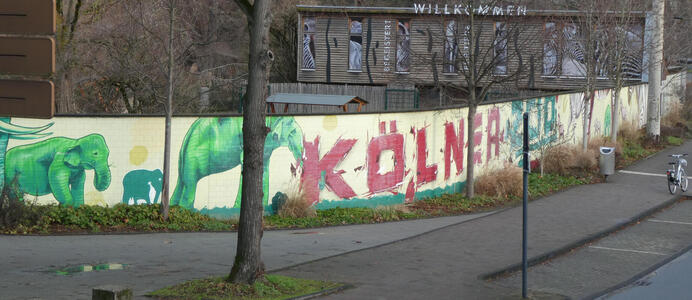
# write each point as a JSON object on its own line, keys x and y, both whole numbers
{"x": 142, "y": 187}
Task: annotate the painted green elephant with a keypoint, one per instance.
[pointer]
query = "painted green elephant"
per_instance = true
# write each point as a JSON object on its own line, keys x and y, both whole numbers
{"x": 215, "y": 145}
{"x": 11, "y": 131}
{"x": 57, "y": 165}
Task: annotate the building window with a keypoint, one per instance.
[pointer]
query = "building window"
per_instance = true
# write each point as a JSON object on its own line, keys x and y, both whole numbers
{"x": 308, "y": 43}
{"x": 573, "y": 63}
{"x": 550, "y": 50}
{"x": 451, "y": 47}
{"x": 632, "y": 64}
{"x": 355, "y": 46}
{"x": 564, "y": 51}
{"x": 500, "y": 50}
{"x": 465, "y": 46}
{"x": 403, "y": 46}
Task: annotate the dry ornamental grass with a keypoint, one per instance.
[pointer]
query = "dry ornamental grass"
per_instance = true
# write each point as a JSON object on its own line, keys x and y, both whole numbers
{"x": 570, "y": 160}
{"x": 502, "y": 183}
{"x": 628, "y": 131}
{"x": 297, "y": 204}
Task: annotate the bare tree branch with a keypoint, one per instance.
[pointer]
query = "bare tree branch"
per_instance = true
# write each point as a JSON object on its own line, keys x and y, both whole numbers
{"x": 246, "y": 8}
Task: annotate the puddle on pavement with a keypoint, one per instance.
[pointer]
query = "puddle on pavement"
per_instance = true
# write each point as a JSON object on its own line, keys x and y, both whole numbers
{"x": 69, "y": 270}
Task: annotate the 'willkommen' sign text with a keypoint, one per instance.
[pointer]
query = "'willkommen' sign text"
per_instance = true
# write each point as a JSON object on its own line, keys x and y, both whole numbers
{"x": 461, "y": 9}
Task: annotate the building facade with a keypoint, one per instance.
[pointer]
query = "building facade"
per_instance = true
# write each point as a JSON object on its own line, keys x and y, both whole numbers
{"x": 428, "y": 45}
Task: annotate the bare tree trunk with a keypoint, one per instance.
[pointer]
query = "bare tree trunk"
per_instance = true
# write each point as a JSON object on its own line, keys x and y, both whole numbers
{"x": 169, "y": 114}
{"x": 615, "y": 112}
{"x": 470, "y": 192}
{"x": 653, "y": 122}
{"x": 64, "y": 102}
{"x": 585, "y": 124}
{"x": 248, "y": 266}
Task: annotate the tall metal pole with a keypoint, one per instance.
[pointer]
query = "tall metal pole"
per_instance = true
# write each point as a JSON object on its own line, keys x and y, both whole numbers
{"x": 524, "y": 263}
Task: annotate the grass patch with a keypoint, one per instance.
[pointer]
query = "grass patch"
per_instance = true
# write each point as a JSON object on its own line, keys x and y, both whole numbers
{"x": 541, "y": 186}
{"x": 454, "y": 204}
{"x": 267, "y": 287}
{"x": 674, "y": 141}
{"x": 635, "y": 145}
{"x": 341, "y": 216}
{"x": 633, "y": 151}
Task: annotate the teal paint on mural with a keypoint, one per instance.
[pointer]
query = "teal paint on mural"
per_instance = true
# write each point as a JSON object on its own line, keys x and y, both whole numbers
{"x": 608, "y": 120}
{"x": 10, "y": 131}
{"x": 142, "y": 187}
{"x": 362, "y": 202}
{"x": 391, "y": 199}
{"x": 57, "y": 165}
{"x": 231, "y": 212}
{"x": 542, "y": 125}
{"x": 215, "y": 145}
{"x": 454, "y": 188}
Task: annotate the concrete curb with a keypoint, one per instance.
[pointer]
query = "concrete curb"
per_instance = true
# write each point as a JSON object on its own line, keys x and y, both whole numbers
{"x": 576, "y": 244}
{"x": 324, "y": 292}
{"x": 640, "y": 275}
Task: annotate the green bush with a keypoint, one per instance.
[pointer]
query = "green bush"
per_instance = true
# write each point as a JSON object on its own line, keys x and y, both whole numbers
{"x": 121, "y": 217}
{"x": 14, "y": 211}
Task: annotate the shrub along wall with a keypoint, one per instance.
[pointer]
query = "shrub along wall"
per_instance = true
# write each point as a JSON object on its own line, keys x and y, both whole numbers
{"x": 338, "y": 160}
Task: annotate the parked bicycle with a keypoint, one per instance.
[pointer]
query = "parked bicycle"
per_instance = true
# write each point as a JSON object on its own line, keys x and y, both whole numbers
{"x": 677, "y": 176}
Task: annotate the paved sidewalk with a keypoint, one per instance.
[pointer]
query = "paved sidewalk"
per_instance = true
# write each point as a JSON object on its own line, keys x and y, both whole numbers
{"x": 447, "y": 263}
{"x": 153, "y": 261}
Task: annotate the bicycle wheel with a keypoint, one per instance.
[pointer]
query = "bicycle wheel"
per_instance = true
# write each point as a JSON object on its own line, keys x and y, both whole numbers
{"x": 683, "y": 180}
{"x": 672, "y": 186}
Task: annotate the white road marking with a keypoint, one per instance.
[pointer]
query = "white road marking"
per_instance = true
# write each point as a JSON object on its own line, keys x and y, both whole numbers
{"x": 628, "y": 250}
{"x": 646, "y": 174}
{"x": 670, "y": 222}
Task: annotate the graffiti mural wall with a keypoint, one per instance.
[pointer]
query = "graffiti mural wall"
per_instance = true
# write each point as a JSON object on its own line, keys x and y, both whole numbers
{"x": 337, "y": 160}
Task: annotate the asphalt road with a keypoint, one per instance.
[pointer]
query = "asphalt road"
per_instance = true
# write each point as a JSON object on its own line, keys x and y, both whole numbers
{"x": 594, "y": 268}
{"x": 671, "y": 281}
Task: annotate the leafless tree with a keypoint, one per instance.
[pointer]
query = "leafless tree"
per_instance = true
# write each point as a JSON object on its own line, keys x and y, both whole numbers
{"x": 248, "y": 266}
{"x": 581, "y": 45}
{"x": 284, "y": 41}
{"x": 169, "y": 113}
{"x": 487, "y": 53}
{"x": 69, "y": 13}
{"x": 115, "y": 60}
{"x": 621, "y": 51}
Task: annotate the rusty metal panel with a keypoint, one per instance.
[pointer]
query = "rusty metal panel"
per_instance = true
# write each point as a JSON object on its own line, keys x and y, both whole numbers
{"x": 27, "y": 16}
{"x": 28, "y": 99}
{"x": 27, "y": 56}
